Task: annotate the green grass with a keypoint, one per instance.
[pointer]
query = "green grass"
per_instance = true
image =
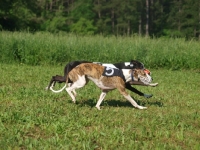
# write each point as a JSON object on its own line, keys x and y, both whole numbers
{"x": 44, "y": 48}
{"x": 32, "y": 118}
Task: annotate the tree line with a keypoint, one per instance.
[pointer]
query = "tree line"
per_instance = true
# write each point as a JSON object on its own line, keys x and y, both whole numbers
{"x": 172, "y": 18}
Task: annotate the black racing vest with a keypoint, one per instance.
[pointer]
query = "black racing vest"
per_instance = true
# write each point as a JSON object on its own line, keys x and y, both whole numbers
{"x": 110, "y": 72}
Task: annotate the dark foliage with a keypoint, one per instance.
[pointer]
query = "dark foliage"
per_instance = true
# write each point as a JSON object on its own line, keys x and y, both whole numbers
{"x": 108, "y": 17}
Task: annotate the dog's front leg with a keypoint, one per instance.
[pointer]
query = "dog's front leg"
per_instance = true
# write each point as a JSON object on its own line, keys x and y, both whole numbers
{"x": 129, "y": 87}
{"x": 130, "y": 99}
{"x": 102, "y": 96}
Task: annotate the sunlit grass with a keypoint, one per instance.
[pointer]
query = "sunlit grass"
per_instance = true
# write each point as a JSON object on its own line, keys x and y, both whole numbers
{"x": 43, "y": 48}
{"x": 32, "y": 118}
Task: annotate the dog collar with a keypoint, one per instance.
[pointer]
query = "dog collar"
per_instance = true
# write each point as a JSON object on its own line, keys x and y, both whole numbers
{"x": 132, "y": 78}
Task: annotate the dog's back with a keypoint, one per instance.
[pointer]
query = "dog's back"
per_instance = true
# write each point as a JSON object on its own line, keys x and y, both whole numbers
{"x": 88, "y": 69}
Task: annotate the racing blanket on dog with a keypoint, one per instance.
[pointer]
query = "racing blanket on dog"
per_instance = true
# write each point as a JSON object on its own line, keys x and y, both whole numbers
{"x": 110, "y": 72}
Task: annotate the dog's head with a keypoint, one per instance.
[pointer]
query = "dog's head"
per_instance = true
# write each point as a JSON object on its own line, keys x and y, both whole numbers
{"x": 142, "y": 75}
{"x": 136, "y": 64}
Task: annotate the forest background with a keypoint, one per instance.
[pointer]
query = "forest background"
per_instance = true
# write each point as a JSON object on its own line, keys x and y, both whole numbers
{"x": 171, "y": 18}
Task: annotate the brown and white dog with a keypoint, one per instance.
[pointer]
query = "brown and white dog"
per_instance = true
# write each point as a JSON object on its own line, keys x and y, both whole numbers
{"x": 80, "y": 75}
{"x": 133, "y": 64}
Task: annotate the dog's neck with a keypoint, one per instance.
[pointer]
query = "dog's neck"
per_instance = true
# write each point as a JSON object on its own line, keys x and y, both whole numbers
{"x": 128, "y": 74}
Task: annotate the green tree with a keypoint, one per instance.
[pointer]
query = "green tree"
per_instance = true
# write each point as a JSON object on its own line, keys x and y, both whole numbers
{"x": 83, "y": 26}
{"x": 53, "y": 16}
{"x": 159, "y": 10}
{"x": 175, "y": 19}
{"x": 55, "y": 23}
{"x": 17, "y": 14}
{"x": 81, "y": 18}
{"x": 102, "y": 17}
{"x": 191, "y": 18}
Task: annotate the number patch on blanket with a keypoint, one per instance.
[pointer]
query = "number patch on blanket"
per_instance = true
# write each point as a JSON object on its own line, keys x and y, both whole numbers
{"x": 109, "y": 71}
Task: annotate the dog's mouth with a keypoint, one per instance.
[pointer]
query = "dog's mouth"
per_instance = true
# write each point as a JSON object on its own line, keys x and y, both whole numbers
{"x": 147, "y": 79}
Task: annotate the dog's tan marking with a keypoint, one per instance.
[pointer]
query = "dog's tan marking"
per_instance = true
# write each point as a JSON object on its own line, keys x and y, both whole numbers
{"x": 88, "y": 69}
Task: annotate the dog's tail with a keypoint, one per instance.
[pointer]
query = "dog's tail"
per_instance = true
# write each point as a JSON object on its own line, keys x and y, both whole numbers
{"x": 54, "y": 79}
{"x": 58, "y": 91}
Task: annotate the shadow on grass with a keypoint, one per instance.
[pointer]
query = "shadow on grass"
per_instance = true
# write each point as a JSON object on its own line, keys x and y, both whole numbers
{"x": 156, "y": 103}
{"x": 117, "y": 103}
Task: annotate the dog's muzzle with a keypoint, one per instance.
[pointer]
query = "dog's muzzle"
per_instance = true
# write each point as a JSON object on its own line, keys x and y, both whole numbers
{"x": 145, "y": 79}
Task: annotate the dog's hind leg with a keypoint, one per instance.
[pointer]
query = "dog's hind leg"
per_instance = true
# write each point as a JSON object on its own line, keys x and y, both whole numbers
{"x": 102, "y": 96}
{"x": 74, "y": 92}
{"x": 81, "y": 82}
{"x": 69, "y": 91}
{"x": 55, "y": 79}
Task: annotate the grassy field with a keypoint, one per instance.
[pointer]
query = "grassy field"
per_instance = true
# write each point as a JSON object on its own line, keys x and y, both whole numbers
{"x": 43, "y": 48}
{"x": 32, "y": 118}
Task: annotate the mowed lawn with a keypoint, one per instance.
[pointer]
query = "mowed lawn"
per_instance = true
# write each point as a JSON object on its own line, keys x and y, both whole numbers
{"x": 33, "y": 118}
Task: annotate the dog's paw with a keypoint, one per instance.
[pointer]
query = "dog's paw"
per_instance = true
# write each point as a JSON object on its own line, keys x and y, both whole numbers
{"x": 46, "y": 88}
{"x": 148, "y": 95}
{"x": 141, "y": 107}
{"x": 153, "y": 84}
{"x": 98, "y": 107}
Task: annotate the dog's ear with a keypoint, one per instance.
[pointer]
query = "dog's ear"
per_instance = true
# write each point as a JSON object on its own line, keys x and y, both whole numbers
{"x": 132, "y": 64}
{"x": 135, "y": 73}
{"x": 142, "y": 66}
{"x": 137, "y": 64}
{"x": 141, "y": 72}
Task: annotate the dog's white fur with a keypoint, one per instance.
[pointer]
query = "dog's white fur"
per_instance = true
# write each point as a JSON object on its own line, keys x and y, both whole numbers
{"x": 80, "y": 75}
